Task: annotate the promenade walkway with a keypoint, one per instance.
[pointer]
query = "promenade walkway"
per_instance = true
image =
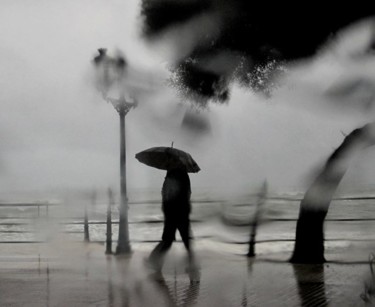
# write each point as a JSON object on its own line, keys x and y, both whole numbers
{"x": 64, "y": 274}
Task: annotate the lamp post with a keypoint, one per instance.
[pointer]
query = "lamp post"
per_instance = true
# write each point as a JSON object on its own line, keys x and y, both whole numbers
{"x": 111, "y": 72}
{"x": 123, "y": 107}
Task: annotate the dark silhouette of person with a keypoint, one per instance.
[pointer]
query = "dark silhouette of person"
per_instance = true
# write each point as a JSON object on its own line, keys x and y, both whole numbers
{"x": 176, "y": 207}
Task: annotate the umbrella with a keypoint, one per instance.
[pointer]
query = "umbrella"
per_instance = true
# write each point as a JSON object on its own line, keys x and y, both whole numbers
{"x": 167, "y": 158}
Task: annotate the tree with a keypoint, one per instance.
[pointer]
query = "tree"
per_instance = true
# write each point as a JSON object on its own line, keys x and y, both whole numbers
{"x": 249, "y": 41}
{"x": 243, "y": 40}
{"x": 309, "y": 243}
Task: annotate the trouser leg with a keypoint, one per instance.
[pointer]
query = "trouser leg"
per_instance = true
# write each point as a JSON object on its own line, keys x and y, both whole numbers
{"x": 158, "y": 253}
{"x": 185, "y": 232}
{"x": 193, "y": 268}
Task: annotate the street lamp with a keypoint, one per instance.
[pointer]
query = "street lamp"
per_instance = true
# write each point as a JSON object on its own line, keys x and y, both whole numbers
{"x": 110, "y": 73}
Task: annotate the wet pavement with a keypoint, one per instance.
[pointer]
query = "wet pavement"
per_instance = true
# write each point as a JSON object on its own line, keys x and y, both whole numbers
{"x": 78, "y": 274}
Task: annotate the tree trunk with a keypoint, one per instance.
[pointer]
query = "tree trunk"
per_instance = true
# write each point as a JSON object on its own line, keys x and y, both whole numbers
{"x": 309, "y": 243}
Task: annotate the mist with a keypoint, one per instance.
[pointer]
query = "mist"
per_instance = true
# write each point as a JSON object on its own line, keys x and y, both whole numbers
{"x": 58, "y": 133}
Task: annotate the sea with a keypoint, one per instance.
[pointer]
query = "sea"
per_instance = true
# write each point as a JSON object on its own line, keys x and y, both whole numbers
{"x": 218, "y": 223}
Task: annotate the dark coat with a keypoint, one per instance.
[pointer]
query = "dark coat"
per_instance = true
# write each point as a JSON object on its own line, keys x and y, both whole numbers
{"x": 176, "y": 193}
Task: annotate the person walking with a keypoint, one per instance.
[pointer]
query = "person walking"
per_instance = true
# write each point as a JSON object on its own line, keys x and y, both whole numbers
{"x": 176, "y": 193}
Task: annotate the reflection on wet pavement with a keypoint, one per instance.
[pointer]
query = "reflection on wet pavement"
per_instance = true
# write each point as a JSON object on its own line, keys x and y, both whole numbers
{"x": 90, "y": 278}
{"x": 310, "y": 284}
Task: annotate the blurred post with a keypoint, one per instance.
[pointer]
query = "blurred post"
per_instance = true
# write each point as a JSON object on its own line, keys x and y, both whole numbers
{"x": 86, "y": 226}
{"x": 111, "y": 202}
{"x": 257, "y": 215}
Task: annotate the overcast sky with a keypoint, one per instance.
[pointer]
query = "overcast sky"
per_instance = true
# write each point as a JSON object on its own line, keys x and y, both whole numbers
{"x": 57, "y": 132}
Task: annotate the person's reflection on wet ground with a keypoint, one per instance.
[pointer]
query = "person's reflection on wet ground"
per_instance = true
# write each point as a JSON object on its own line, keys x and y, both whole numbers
{"x": 369, "y": 284}
{"x": 190, "y": 292}
{"x": 310, "y": 284}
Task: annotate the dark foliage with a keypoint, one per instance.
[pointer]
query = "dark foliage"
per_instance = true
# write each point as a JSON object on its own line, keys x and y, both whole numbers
{"x": 164, "y": 13}
{"x": 196, "y": 83}
{"x": 259, "y": 31}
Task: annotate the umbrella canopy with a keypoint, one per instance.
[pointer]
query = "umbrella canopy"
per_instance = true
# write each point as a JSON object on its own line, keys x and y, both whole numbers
{"x": 167, "y": 158}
